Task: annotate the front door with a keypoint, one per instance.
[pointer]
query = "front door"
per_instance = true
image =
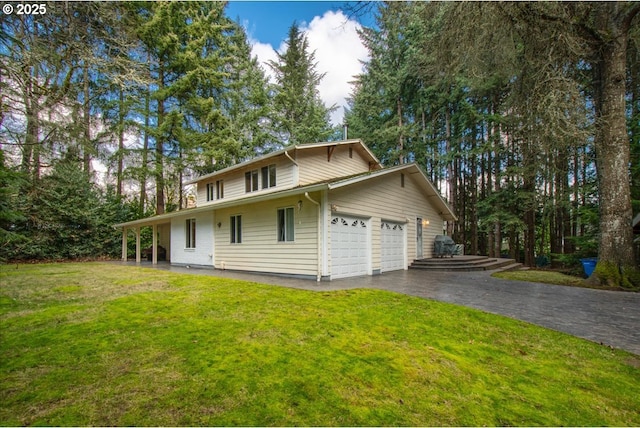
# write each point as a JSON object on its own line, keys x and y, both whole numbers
{"x": 419, "y": 253}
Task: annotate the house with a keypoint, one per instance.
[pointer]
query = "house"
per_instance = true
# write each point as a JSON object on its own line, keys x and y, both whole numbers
{"x": 324, "y": 211}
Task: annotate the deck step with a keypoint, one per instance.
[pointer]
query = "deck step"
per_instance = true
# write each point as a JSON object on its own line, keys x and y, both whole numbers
{"x": 465, "y": 264}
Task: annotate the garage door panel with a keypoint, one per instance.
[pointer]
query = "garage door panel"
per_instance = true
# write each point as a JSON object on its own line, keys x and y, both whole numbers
{"x": 392, "y": 245}
{"x": 349, "y": 247}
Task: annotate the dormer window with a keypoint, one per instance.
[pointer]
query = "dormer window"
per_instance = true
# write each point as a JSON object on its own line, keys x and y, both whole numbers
{"x": 268, "y": 176}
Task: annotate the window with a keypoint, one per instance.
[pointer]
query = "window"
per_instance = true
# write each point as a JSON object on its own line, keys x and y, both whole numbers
{"x": 190, "y": 232}
{"x": 236, "y": 229}
{"x": 220, "y": 189}
{"x": 401, "y": 180}
{"x": 251, "y": 181}
{"x": 215, "y": 191}
{"x": 285, "y": 224}
{"x": 268, "y": 176}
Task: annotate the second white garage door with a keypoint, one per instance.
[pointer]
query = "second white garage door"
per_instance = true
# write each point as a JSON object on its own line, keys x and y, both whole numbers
{"x": 349, "y": 247}
{"x": 392, "y": 244}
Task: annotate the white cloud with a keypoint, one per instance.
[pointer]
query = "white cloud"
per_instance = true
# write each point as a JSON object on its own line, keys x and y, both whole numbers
{"x": 338, "y": 52}
{"x": 265, "y": 53}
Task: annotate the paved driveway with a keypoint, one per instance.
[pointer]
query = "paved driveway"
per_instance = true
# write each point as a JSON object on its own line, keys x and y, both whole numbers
{"x": 608, "y": 317}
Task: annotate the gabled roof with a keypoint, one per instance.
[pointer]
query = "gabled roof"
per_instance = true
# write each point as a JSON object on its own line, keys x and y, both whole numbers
{"x": 431, "y": 192}
{"x": 223, "y": 203}
{"x": 291, "y": 150}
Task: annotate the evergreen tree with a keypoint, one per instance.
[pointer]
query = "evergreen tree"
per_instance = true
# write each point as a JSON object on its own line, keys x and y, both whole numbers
{"x": 300, "y": 116}
{"x": 249, "y": 105}
{"x": 496, "y": 107}
{"x": 10, "y": 184}
{"x": 60, "y": 215}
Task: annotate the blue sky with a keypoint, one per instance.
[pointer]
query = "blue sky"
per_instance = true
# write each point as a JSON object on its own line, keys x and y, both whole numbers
{"x": 269, "y": 21}
{"x": 331, "y": 33}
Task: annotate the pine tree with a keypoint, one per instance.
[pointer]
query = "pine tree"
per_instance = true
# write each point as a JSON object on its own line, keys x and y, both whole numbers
{"x": 300, "y": 116}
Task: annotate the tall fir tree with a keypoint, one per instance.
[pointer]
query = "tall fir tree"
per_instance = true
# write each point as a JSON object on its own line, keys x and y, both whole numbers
{"x": 299, "y": 116}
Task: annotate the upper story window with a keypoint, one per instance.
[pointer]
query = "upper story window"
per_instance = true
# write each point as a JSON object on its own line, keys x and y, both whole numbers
{"x": 251, "y": 181}
{"x": 220, "y": 189}
{"x": 268, "y": 176}
{"x": 215, "y": 190}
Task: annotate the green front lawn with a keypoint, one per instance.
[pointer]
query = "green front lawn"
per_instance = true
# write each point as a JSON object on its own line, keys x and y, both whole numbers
{"x": 102, "y": 344}
{"x": 544, "y": 276}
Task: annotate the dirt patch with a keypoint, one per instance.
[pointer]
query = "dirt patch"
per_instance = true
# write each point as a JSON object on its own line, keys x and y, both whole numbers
{"x": 633, "y": 362}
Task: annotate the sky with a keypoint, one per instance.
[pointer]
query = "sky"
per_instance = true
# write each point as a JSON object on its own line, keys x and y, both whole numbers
{"x": 331, "y": 32}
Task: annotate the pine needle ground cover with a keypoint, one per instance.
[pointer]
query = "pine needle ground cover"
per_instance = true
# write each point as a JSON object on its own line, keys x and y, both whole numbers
{"x": 102, "y": 344}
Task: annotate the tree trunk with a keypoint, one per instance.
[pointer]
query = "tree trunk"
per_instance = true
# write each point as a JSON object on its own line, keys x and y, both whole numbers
{"x": 401, "y": 159}
{"x": 497, "y": 232}
{"x": 450, "y": 174}
{"x": 120, "y": 154}
{"x": 613, "y": 153}
{"x": 159, "y": 170}
{"x": 145, "y": 154}
{"x": 86, "y": 111}
{"x": 529, "y": 187}
{"x": 473, "y": 221}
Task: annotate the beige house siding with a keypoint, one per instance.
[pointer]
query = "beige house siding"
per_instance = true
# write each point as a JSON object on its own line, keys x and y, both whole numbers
{"x": 338, "y": 176}
{"x": 260, "y": 249}
{"x": 383, "y": 198}
{"x": 315, "y": 164}
{"x": 234, "y": 181}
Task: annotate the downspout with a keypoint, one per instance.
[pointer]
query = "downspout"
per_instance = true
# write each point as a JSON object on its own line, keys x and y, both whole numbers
{"x": 306, "y": 195}
{"x": 286, "y": 153}
{"x": 296, "y": 173}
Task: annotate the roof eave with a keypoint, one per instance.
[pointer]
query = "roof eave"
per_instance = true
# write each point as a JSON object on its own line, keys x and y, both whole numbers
{"x": 368, "y": 152}
{"x": 446, "y": 211}
{"x": 165, "y": 218}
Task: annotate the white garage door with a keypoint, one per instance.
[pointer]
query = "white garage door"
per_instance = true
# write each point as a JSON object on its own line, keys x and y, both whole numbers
{"x": 392, "y": 246}
{"x": 349, "y": 247}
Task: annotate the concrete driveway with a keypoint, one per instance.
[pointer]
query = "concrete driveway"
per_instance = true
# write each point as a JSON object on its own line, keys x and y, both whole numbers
{"x": 611, "y": 318}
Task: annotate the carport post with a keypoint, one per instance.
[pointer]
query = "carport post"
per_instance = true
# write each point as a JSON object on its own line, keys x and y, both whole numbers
{"x": 154, "y": 248}
{"x": 124, "y": 244}
{"x": 138, "y": 244}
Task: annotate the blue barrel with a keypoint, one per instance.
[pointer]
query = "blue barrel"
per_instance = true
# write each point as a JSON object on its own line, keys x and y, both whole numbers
{"x": 589, "y": 264}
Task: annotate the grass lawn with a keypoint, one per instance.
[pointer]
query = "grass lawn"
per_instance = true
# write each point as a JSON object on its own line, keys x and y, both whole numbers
{"x": 544, "y": 276}
{"x": 103, "y": 344}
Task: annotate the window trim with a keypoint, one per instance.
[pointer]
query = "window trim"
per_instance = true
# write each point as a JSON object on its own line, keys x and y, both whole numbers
{"x": 210, "y": 192}
{"x": 285, "y": 225}
{"x": 190, "y": 234}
